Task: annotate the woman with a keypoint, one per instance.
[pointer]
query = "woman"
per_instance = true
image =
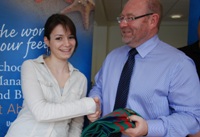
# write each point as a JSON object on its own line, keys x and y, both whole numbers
{"x": 54, "y": 91}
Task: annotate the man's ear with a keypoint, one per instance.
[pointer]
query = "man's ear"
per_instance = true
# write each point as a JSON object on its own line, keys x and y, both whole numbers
{"x": 155, "y": 20}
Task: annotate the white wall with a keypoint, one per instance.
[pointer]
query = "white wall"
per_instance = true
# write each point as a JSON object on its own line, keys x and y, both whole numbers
{"x": 106, "y": 38}
{"x": 175, "y": 34}
{"x": 99, "y": 48}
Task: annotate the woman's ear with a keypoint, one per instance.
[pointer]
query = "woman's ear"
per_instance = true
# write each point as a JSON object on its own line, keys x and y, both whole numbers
{"x": 46, "y": 41}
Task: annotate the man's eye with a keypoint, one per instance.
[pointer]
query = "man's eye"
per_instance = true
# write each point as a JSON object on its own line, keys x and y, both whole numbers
{"x": 130, "y": 18}
{"x": 121, "y": 18}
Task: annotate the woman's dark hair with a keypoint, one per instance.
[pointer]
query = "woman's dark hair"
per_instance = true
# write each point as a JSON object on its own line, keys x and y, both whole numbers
{"x": 59, "y": 19}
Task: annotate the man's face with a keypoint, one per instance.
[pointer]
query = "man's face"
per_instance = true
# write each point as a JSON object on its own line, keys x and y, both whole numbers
{"x": 137, "y": 31}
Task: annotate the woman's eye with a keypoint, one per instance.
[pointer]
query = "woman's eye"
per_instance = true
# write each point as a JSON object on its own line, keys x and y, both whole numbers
{"x": 71, "y": 37}
{"x": 59, "y": 38}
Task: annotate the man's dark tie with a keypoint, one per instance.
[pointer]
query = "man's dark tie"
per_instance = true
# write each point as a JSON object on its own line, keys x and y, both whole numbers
{"x": 124, "y": 82}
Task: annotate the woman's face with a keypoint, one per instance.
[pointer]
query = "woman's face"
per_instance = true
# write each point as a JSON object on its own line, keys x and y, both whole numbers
{"x": 62, "y": 43}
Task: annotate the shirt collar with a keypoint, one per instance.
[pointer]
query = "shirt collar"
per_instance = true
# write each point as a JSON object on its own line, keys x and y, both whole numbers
{"x": 148, "y": 46}
{"x": 40, "y": 60}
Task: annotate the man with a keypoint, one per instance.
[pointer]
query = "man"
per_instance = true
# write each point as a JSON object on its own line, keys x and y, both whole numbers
{"x": 161, "y": 90}
{"x": 193, "y": 51}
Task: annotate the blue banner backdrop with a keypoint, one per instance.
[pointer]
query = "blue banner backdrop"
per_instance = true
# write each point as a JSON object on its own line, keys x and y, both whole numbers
{"x": 21, "y": 38}
{"x": 194, "y": 15}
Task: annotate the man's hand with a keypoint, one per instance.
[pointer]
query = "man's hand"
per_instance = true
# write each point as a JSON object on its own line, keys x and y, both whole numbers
{"x": 195, "y": 135}
{"x": 141, "y": 128}
{"x": 96, "y": 115}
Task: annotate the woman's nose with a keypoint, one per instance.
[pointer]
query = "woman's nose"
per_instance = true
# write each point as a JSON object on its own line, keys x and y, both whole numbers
{"x": 66, "y": 42}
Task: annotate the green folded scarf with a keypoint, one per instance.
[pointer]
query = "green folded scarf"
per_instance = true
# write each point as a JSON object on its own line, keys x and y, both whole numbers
{"x": 113, "y": 122}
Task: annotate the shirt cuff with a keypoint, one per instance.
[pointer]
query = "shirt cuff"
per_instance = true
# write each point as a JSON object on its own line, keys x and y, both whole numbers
{"x": 89, "y": 104}
{"x": 155, "y": 128}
